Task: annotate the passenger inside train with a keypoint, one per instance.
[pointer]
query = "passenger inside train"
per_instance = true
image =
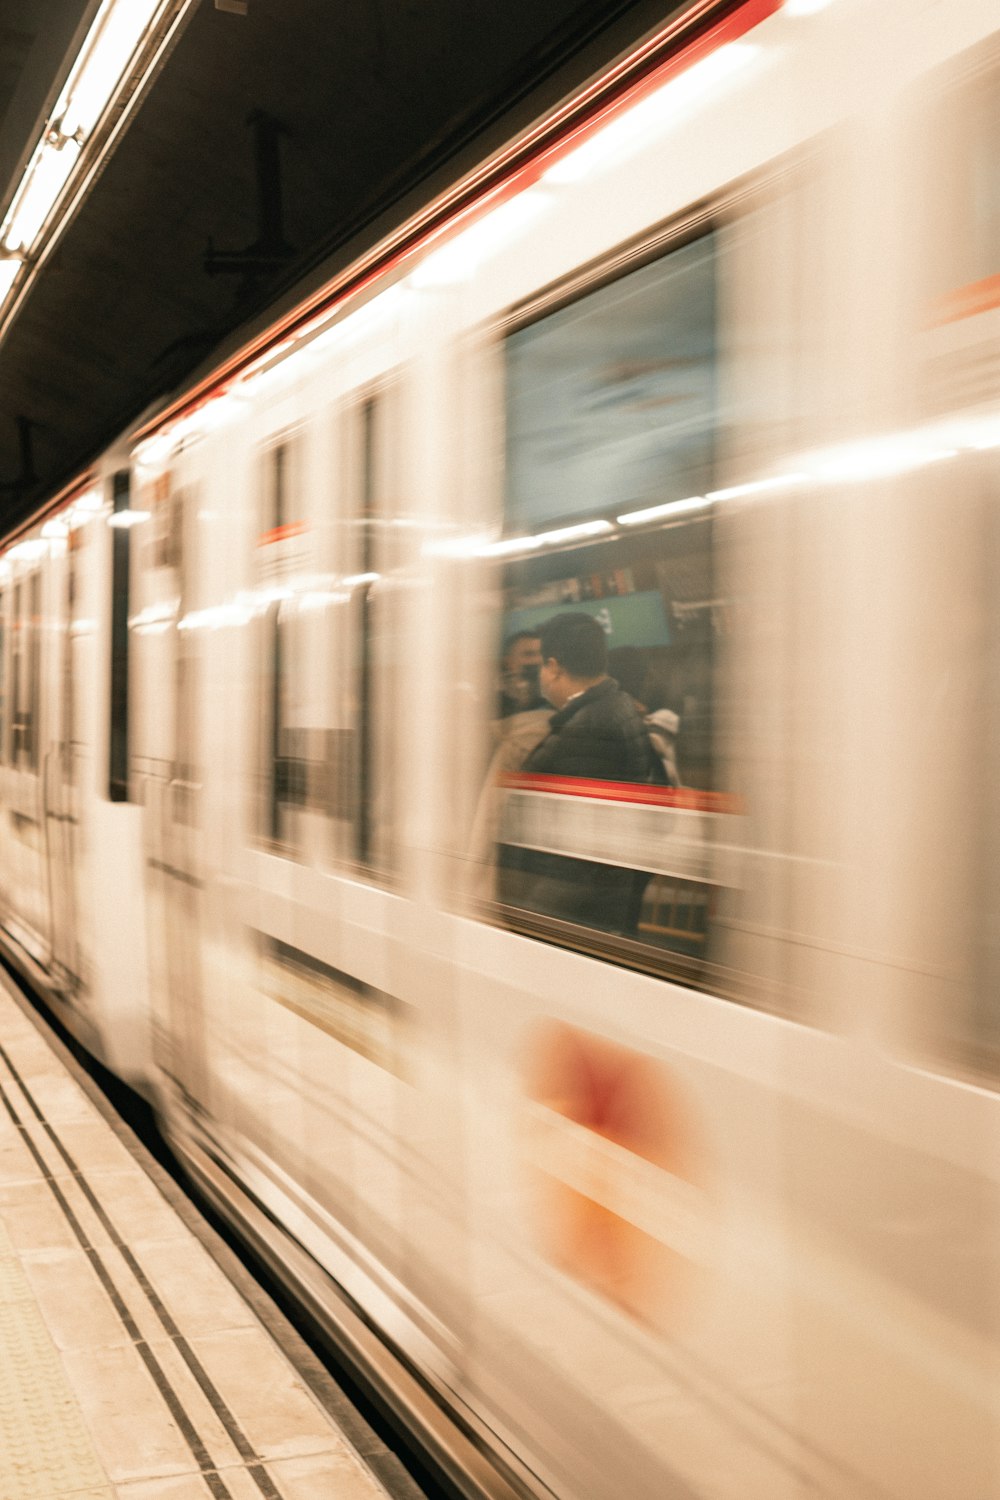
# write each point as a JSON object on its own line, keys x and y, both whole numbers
{"x": 595, "y": 734}
{"x": 612, "y": 423}
{"x": 520, "y": 664}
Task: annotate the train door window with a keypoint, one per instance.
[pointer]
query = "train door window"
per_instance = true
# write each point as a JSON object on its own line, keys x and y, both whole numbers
{"x": 66, "y": 686}
{"x": 25, "y": 673}
{"x": 368, "y": 787}
{"x": 35, "y": 668}
{"x": 603, "y": 825}
{"x": 959, "y": 221}
{"x": 368, "y": 548}
{"x": 371, "y": 676}
{"x": 17, "y": 642}
{"x": 121, "y": 556}
{"x": 186, "y": 659}
{"x": 289, "y": 772}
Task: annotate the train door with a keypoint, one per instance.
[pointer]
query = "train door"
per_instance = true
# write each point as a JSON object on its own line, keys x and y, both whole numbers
{"x": 29, "y": 918}
{"x": 60, "y": 795}
{"x": 168, "y": 754}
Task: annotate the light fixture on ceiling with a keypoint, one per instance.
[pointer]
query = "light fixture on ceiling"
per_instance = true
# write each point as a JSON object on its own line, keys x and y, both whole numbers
{"x": 41, "y": 185}
{"x": 113, "y": 45}
{"x": 110, "y": 45}
{"x": 10, "y": 265}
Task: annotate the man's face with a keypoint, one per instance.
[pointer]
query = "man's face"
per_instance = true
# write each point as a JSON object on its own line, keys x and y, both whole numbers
{"x": 526, "y": 652}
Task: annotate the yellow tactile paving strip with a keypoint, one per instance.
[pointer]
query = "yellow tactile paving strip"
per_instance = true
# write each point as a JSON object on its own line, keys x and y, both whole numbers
{"x": 45, "y": 1447}
{"x": 130, "y": 1369}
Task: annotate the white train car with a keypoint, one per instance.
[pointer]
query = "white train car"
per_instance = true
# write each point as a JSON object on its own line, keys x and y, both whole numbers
{"x": 701, "y": 1202}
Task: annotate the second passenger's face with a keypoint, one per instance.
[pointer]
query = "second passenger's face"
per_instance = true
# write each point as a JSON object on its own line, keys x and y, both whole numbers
{"x": 521, "y": 670}
{"x": 524, "y": 655}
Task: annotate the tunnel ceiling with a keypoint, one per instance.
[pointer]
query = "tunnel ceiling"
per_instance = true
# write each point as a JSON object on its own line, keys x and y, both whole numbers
{"x": 375, "y": 99}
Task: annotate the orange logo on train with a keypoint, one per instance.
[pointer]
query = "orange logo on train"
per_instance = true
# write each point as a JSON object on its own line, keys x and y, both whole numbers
{"x": 614, "y": 1163}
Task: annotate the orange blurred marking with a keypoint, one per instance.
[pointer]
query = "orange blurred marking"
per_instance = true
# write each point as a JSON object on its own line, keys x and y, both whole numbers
{"x": 629, "y": 1099}
{"x": 966, "y": 301}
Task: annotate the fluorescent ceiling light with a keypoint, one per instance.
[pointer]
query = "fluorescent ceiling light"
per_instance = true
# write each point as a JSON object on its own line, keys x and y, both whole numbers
{"x": 111, "y": 42}
{"x": 110, "y": 48}
{"x": 661, "y": 512}
{"x": 38, "y": 193}
{"x": 8, "y": 274}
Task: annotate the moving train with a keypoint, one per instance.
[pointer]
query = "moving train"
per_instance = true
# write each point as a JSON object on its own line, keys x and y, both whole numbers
{"x": 708, "y": 1203}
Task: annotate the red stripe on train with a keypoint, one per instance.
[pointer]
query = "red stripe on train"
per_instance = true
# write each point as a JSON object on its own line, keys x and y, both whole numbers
{"x": 281, "y": 533}
{"x": 687, "y": 798}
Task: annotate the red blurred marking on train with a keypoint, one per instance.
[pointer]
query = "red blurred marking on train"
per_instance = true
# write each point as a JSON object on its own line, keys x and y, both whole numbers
{"x": 281, "y": 533}
{"x": 632, "y": 1100}
{"x": 966, "y": 302}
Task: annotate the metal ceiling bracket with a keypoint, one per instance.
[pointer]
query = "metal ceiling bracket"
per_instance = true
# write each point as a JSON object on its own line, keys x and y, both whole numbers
{"x": 270, "y": 250}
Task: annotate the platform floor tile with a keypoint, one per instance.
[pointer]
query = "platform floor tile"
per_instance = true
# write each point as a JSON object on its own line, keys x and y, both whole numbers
{"x": 131, "y": 1367}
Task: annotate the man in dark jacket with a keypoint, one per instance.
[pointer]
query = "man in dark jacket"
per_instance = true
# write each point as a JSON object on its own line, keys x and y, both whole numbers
{"x": 595, "y": 733}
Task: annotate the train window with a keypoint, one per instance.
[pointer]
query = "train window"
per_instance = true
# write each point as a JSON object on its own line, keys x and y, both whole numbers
{"x": 186, "y": 773}
{"x": 118, "y": 737}
{"x": 600, "y": 801}
{"x": 289, "y": 769}
{"x": 25, "y": 664}
{"x": 66, "y": 687}
{"x": 610, "y": 401}
{"x": 33, "y": 737}
{"x": 17, "y": 643}
{"x": 361, "y": 802}
{"x": 372, "y": 817}
{"x": 958, "y": 223}
{"x": 367, "y": 519}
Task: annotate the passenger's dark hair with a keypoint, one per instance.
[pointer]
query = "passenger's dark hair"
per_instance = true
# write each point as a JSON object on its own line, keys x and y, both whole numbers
{"x": 512, "y": 640}
{"x": 577, "y": 642}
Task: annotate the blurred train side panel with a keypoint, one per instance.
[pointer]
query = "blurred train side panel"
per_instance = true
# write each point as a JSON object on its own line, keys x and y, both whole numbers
{"x": 698, "y": 1196}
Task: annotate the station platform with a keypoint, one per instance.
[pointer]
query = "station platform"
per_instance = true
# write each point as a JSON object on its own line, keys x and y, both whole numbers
{"x": 138, "y": 1358}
